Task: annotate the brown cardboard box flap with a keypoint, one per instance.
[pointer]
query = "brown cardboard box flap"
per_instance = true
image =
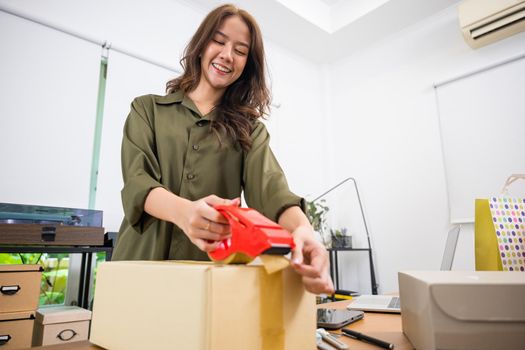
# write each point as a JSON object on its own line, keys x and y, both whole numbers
{"x": 12, "y": 316}
{"x": 62, "y": 314}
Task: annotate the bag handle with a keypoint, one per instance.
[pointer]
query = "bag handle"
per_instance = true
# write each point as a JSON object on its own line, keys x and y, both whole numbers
{"x": 512, "y": 178}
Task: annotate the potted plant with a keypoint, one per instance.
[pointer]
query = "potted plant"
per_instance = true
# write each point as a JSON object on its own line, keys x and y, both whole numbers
{"x": 340, "y": 239}
{"x": 316, "y": 213}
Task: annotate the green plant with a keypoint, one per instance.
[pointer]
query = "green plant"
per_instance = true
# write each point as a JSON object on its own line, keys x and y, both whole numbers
{"x": 338, "y": 232}
{"x": 340, "y": 239}
{"x": 316, "y": 213}
{"x": 54, "y": 278}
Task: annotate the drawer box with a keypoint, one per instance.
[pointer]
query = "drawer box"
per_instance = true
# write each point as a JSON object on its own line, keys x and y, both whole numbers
{"x": 61, "y": 324}
{"x": 19, "y": 287}
{"x": 16, "y": 329}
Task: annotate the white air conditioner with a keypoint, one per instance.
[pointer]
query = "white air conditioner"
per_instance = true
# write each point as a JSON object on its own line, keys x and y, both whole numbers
{"x": 486, "y": 21}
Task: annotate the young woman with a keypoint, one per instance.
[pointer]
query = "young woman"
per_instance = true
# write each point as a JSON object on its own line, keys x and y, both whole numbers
{"x": 201, "y": 145}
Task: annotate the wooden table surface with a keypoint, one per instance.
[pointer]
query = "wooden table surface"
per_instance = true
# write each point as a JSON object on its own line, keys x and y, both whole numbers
{"x": 79, "y": 345}
{"x": 383, "y": 326}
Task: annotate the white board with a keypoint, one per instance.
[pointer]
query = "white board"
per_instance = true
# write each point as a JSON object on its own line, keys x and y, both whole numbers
{"x": 482, "y": 120}
{"x": 48, "y": 84}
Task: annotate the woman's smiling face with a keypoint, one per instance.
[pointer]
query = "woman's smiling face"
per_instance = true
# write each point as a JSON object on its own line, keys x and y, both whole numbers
{"x": 225, "y": 56}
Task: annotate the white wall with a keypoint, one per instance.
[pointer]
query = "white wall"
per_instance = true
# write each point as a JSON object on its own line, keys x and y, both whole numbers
{"x": 159, "y": 30}
{"x": 299, "y": 125}
{"x": 371, "y": 116}
{"x": 386, "y": 134}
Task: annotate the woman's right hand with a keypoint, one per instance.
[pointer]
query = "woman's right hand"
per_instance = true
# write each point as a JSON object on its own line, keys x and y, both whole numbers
{"x": 205, "y": 226}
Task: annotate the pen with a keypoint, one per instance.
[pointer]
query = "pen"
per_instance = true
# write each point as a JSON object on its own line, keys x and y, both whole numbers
{"x": 360, "y": 336}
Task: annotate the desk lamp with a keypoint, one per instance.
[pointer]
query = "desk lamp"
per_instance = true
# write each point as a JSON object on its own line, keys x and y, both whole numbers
{"x": 372, "y": 273}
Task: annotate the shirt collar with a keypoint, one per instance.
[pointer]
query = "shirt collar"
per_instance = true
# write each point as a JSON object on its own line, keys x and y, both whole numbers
{"x": 179, "y": 97}
{"x": 174, "y": 97}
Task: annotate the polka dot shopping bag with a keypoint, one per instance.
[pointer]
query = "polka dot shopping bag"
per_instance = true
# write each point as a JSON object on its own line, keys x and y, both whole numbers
{"x": 500, "y": 231}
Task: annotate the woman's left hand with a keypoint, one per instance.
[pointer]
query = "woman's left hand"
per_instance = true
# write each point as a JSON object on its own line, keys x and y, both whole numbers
{"x": 310, "y": 260}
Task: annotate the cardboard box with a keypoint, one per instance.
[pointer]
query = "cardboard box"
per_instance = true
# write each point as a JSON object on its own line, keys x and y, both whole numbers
{"x": 16, "y": 329}
{"x": 19, "y": 287}
{"x": 61, "y": 324}
{"x": 200, "y": 306}
{"x": 463, "y": 309}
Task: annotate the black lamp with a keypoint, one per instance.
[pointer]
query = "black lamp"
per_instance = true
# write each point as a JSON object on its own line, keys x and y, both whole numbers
{"x": 333, "y": 251}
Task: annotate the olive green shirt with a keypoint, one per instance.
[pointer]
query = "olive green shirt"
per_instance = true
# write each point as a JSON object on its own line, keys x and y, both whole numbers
{"x": 168, "y": 143}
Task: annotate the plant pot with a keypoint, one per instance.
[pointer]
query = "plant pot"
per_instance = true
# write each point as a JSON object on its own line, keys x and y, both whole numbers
{"x": 341, "y": 241}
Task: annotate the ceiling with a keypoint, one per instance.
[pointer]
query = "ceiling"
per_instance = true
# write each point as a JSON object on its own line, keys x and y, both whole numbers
{"x": 324, "y": 31}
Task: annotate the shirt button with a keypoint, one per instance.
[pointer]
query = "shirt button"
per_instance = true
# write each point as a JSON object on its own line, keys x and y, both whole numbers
{"x": 201, "y": 123}
{"x": 195, "y": 147}
{"x": 190, "y": 176}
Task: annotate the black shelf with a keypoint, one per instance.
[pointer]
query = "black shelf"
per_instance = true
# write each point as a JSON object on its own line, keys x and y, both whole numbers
{"x": 334, "y": 265}
{"x": 344, "y": 249}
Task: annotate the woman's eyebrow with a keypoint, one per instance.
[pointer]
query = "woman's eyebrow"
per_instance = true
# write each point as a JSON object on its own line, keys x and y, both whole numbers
{"x": 227, "y": 37}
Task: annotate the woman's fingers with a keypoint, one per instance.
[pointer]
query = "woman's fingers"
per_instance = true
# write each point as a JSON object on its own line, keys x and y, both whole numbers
{"x": 318, "y": 285}
{"x": 208, "y": 235}
{"x": 310, "y": 260}
{"x": 206, "y": 246}
{"x": 206, "y": 226}
{"x": 307, "y": 271}
{"x": 208, "y": 212}
{"x": 221, "y": 229}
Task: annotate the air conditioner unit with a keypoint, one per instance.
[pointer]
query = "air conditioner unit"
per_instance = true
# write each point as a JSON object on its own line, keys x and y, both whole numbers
{"x": 486, "y": 21}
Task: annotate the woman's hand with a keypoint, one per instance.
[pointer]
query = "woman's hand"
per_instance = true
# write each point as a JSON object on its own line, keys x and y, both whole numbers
{"x": 309, "y": 257}
{"x": 205, "y": 226}
{"x": 310, "y": 260}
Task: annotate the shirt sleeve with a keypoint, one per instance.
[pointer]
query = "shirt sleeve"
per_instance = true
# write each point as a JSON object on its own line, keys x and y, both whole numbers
{"x": 265, "y": 185}
{"x": 140, "y": 166}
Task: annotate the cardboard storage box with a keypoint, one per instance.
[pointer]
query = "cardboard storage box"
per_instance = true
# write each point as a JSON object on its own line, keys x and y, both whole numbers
{"x": 463, "y": 309}
{"x": 16, "y": 329}
{"x": 200, "y": 306}
{"x": 61, "y": 324}
{"x": 19, "y": 287}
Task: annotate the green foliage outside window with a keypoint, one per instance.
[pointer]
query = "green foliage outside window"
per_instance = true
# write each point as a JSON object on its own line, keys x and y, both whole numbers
{"x": 100, "y": 258}
{"x": 54, "y": 277}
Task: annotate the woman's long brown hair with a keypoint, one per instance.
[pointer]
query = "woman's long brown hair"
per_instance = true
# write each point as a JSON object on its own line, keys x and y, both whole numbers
{"x": 244, "y": 101}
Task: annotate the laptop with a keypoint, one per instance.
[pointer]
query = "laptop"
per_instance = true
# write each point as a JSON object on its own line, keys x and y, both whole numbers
{"x": 450, "y": 248}
{"x": 387, "y": 303}
{"x": 377, "y": 303}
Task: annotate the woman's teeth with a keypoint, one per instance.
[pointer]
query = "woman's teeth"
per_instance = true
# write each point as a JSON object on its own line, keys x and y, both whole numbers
{"x": 221, "y": 68}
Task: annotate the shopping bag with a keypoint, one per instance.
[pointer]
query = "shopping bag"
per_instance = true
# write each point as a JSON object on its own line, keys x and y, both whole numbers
{"x": 499, "y": 231}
